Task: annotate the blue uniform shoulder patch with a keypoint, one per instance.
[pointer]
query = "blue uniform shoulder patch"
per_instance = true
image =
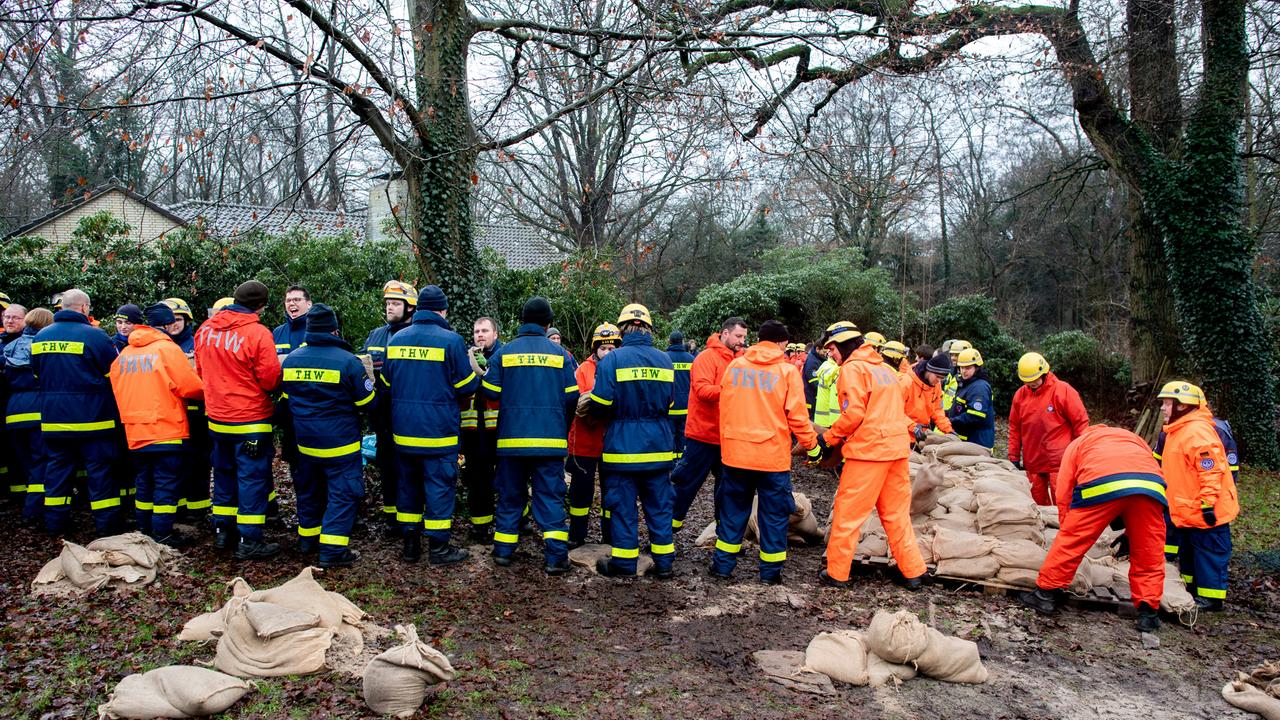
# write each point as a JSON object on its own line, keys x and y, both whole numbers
{"x": 1232, "y": 459}
{"x": 1206, "y": 463}
{"x": 368, "y": 385}
{"x": 977, "y": 405}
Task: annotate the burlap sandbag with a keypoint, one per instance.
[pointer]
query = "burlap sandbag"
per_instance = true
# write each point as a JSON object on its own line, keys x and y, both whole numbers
{"x": 1251, "y": 699}
{"x": 1019, "y": 554}
{"x": 933, "y": 438}
{"x": 840, "y": 655}
{"x": 896, "y": 637}
{"x": 243, "y": 652}
{"x": 129, "y": 549}
{"x": 802, "y": 526}
{"x": 979, "y": 568}
{"x": 959, "y": 498}
{"x": 1175, "y": 599}
{"x": 304, "y": 593}
{"x": 210, "y": 625}
{"x": 951, "y": 659}
{"x": 1018, "y": 577}
{"x": 1032, "y": 533}
{"x": 786, "y": 667}
{"x": 882, "y": 672}
{"x": 707, "y": 537}
{"x": 957, "y": 448}
{"x": 1049, "y": 515}
{"x": 959, "y": 520}
{"x": 587, "y": 555}
{"x": 924, "y": 488}
{"x": 979, "y": 462}
{"x": 1082, "y": 583}
{"x": 950, "y": 544}
{"x": 178, "y": 691}
{"x": 1002, "y": 484}
{"x": 396, "y": 682}
{"x": 996, "y": 509}
{"x": 924, "y": 542}
{"x": 873, "y": 546}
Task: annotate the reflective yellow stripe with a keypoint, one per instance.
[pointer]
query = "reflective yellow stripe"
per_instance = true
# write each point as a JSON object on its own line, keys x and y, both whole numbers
{"x": 607, "y": 514}
{"x": 773, "y": 557}
{"x": 1156, "y": 455}
{"x": 677, "y": 523}
{"x": 164, "y": 509}
{"x": 678, "y": 412}
{"x": 980, "y": 414}
{"x": 1211, "y": 593}
{"x": 249, "y": 429}
{"x": 282, "y": 346}
{"x": 22, "y": 417}
{"x": 440, "y": 442}
{"x": 367, "y": 400}
{"x": 601, "y": 400}
{"x": 272, "y": 496}
{"x": 532, "y": 360}
{"x": 18, "y": 488}
{"x": 626, "y": 553}
{"x": 143, "y": 505}
{"x": 56, "y": 501}
{"x": 490, "y": 386}
{"x": 644, "y": 373}
{"x": 389, "y": 509}
{"x": 318, "y": 375}
{"x": 167, "y": 442}
{"x": 620, "y": 458}
{"x": 1116, "y": 485}
{"x": 509, "y": 538}
{"x": 57, "y": 347}
{"x": 408, "y": 517}
{"x": 437, "y": 524}
{"x": 104, "y": 504}
{"x": 722, "y": 545}
{"x": 251, "y": 519}
{"x": 682, "y": 365}
{"x": 375, "y": 348}
{"x": 554, "y": 443}
{"x": 330, "y": 452}
{"x": 556, "y": 535}
{"x": 199, "y": 504}
{"x": 490, "y": 414}
{"x": 579, "y": 512}
{"x": 129, "y": 491}
{"x": 308, "y": 532}
{"x": 334, "y": 540}
{"x": 410, "y": 352}
{"x": 78, "y": 427}
{"x": 224, "y": 510}
{"x": 35, "y": 488}
{"x": 571, "y": 389}
{"x": 1170, "y": 549}
{"x": 662, "y": 549}
{"x": 481, "y": 519}
{"x": 465, "y": 380}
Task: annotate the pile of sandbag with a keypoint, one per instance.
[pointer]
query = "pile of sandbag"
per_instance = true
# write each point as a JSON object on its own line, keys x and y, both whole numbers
{"x": 120, "y": 562}
{"x": 178, "y": 691}
{"x": 1257, "y": 692}
{"x": 895, "y": 647}
{"x": 802, "y": 525}
{"x": 396, "y": 682}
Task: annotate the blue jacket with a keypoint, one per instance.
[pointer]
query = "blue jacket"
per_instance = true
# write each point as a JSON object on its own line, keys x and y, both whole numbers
{"x": 290, "y": 335}
{"x": 120, "y": 341}
{"x": 376, "y": 347}
{"x": 427, "y": 373}
{"x": 681, "y": 359}
{"x": 23, "y": 406}
{"x": 533, "y": 378}
{"x": 1228, "y": 439}
{"x": 327, "y": 387}
{"x": 72, "y": 360}
{"x": 186, "y": 339}
{"x": 636, "y": 383}
{"x": 972, "y": 415}
{"x": 809, "y": 374}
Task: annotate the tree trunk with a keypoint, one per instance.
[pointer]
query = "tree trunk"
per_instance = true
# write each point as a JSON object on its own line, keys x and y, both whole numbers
{"x": 441, "y": 175}
{"x": 1153, "y": 325}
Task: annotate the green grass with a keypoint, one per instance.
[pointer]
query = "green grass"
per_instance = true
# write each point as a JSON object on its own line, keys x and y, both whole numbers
{"x": 1256, "y": 532}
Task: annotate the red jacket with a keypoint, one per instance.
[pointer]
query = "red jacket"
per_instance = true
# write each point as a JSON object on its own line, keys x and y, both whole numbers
{"x": 703, "y": 423}
{"x": 236, "y": 357}
{"x": 152, "y": 378}
{"x": 1042, "y": 422}
{"x": 586, "y": 435}
{"x": 761, "y": 406}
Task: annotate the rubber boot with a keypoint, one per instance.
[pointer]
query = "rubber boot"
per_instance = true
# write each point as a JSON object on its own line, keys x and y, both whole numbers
{"x": 411, "y": 551}
{"x": 1044, "y": 602}
{"x": 1208, "y": 604}
{"x": 446, "y": 554}
{"x": 826, "y": 579}
{"x": 1148, "y": 619}
{"x": 347, "y": 558}
{"x": 251, "y": 550}
{"x": 559, "y": 568}
{"x": 606, "y": 569}
{"x": 225, "y": 538}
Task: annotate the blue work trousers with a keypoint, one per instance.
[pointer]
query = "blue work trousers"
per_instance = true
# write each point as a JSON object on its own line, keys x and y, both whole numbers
{"x": 157, "y": 478}
{"x": 582, "y": 492}
{"x": 1203, "y": 556}
{"x": 656, "y": 496}
{"x": 515, "y": 476}
{"x": 242, "y": 481}
{"x": 426, "y": 494}
{"x": 737, "y": 490}
{"x": 96, "y": 453}
{"x": 699, "y": 458}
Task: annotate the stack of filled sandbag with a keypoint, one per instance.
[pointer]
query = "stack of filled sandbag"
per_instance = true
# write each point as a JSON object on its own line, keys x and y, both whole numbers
{"x": 177, "y": 691}
{"x": 895, "y": 647}
{"x": 119, "y": 562}
{"x": 802, "y": 526}
{"x": 396, "y": 682}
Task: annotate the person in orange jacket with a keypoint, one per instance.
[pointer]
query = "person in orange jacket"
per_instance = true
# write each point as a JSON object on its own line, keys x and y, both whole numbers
{"x": 702, "y": 425}
{"x": 922, "y": 396}
{"x": 1046, "y": 415}
{"x": 1202, "y": 493}
{"x": 586, "y": 443}
{"x": 1107, "y": 473}
{"x": 875, "y": 475}
{"x": 762, "y": 404}
{"x": 152, "y": 380}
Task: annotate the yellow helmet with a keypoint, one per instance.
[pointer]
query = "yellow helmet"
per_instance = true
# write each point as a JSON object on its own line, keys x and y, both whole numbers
{"x": 956, "y": 346}
{"x": 179, "y": 307}
{"x": 1032, "y": 367}
{"x": 4, "y": 301}
{"x": 396, "y": 290}
{"x": 605, "y": 333}
{"x": 969, "y": 356}
{"x": 874, "y": 338}
{"x": 893, "y": 349}
{"x": 220, "y": 303}
{"x": 635, "y": 311}
{"x": 839, "y": 332}
{"x": 1183, "y": 392}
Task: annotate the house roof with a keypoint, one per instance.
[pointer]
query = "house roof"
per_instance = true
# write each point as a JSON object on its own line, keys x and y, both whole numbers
{"x": 94, "y": 194}
{"x": 223, "y": 219}
{"x": 522, "y": 246}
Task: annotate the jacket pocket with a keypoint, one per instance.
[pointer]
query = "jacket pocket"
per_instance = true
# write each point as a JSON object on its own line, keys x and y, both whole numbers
{"x": 751, "y": 434}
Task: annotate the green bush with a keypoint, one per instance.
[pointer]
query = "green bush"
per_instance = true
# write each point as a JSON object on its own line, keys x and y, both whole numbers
{"x": 972, "y": 318}
{"x": 1101, "y": 377}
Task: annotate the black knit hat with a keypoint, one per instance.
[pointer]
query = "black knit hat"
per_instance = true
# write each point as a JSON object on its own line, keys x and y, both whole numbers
{"x": 159, "y": 315}
{"x": 251, "y": 294}
{"x": 677, "y": 338}
{"x": 132, "y": 313}
{"x": 321, "y": 319}
{"x": 432, "y": 298}
{"x": 537, "y": 311}
{"x": 939, "y": 363}
{"x": 774, "y": 331}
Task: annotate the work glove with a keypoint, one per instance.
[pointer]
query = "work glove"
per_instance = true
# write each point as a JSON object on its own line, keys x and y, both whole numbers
{"x": 475, "y": 363}
{"x": 1210, "y": 517}
{"x": 584, "y": 401}
{"x": 1018, "y": 464}
{"x": 920, "y": 434}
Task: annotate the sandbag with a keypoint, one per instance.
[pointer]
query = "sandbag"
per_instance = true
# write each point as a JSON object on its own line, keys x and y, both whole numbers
{"x": 1049, "y": 515}
{"x": 1002, "y": 484}
{"x": 1019, "y": 554}
{"x": 949, "y": 544}
{"x": 244, "y": 653}
{"x": 396, "y": 682}
{"x": 998, "y": 509}
{"x": 803, "y": 528}
{"x": 786, "y": 667}
{"x": 271, "y": 621}
{"x": 959, "y": 520}
{"x": 178, "y": 691}
{"x": 974, "y": 461}
{"x": 979, "y": 568}
{"x": 1251, "y": 699}
{"x": 933, "y": 439}
{"x": 896, "y": 637}
{"x": 1018, "y": 577}
{"x": 925, "y": 545}
{"x": 1031, "y": 533}
{"x": 873, "y": 546}
{"x": 210, "y": 625}
{"x": 121, "y": 562}
{"x": 1082, "y": 583}
{"x": 707, "y": 537}
{"x": 882, "y": 672}
{"x": 587, "y": 555}
{"x": 840, "y": 655}
{"x": 128, "y": 549}
{"x": 304, "y": 593}
{"x": 959, "y": 498}
{"x": 1175, "y": 599}
{"x": 951, "y": 659}
{"x": 957, "y": 448}
{"x": 924, "y": 488}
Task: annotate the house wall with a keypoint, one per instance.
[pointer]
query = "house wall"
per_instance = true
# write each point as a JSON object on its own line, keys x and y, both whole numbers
{"x": 383, "y": 197}
{"x": 146, "y": 224}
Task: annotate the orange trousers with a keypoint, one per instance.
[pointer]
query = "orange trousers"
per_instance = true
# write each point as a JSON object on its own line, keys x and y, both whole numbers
{"x": 867, "y": 485}
{"x": 1143, "y": 523}
{"x": 1042, "y": 487}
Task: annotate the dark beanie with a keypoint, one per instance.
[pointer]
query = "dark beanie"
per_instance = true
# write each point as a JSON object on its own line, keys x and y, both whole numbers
{"x": 554, "y": 331}
{"x": 939, "y": 363}
{"x": 251, "y": 294}
{"x": 432, "y": 298}
{"x": 159, "y": 315}
{"x": 677, "y": 338}
{"x": 774, "y": 331}
{"x": 321, "y": 319}
{"x": 132, "y": 313}
{"x": 536, "y": 311}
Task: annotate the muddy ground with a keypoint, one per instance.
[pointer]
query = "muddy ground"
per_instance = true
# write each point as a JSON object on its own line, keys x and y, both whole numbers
{"x": 529, "y": 646}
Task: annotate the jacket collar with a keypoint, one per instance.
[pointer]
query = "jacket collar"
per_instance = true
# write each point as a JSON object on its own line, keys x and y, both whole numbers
{"x": 430, "y": 317}
{"x": 70, "y": 316}
{"x": 764, "y": 353}
{"x": 1049, "y": 381}
{"x": 145, "y": 335}
{"x": 713, "y": 343}
{"x": 866, "y": 353}
{"x": 677, "y": 347}
{"x": 497, "y": 344}
{"x": 637, "y": 338}
{"x": 298, "y": 323}
{"x": 529, "y": 329}
{"x": 1201, "y": 414}
{"x": 325, "y": 340}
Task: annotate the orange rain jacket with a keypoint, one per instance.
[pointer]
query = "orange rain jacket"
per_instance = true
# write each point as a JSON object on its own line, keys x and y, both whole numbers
{"x": 586, "y": 435}
{"x": 1113, "y": 463}
{"x": 871, "y": 410}
{"x": 761, "y": 405}
{"x": 703, "y": 423}
{"x": 922, "y": 402}
{"x": 152, "y": 379}
{"x": 1042, "y": 422}
{"x": 1197, "y": 472}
